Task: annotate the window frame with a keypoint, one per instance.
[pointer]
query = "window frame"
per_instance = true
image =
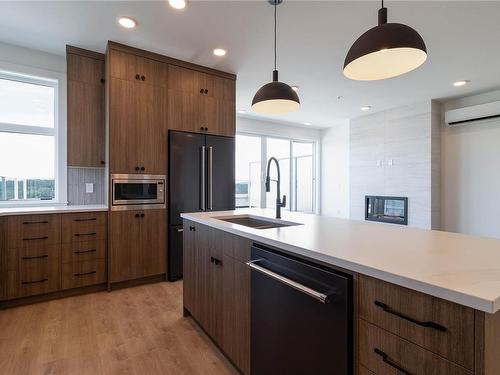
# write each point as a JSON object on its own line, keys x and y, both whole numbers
{"x": 56, "y": 80}
{"x": 316, "y": 175}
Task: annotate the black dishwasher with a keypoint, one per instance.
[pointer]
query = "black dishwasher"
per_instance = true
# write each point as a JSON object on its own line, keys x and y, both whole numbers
{"x": 301, "y": 316}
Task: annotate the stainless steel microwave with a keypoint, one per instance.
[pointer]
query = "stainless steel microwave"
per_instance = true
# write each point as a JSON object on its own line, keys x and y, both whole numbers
{"x": 137, "y": 191}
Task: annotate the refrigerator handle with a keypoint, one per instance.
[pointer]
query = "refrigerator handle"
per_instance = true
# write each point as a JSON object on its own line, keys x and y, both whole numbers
{"x": 202, "y": 177}
{"x": 210, "y": 177}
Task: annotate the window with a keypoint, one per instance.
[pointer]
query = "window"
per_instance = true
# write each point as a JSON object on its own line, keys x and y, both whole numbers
{"x": 28, "y": 138}
{"x": 297, "y": 160}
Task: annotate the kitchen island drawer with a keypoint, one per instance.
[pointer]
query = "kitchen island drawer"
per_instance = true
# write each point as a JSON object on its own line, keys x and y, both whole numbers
{"x": 83, "y": 226}
{"x": 442, "y": 327}
{"x": 31, "y": 230}
{"x": 384, "y": 353}
{"x": 80, "y": 251}
{"x": 78, "y": 274}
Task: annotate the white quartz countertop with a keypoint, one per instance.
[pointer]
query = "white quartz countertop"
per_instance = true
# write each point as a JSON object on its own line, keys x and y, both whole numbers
{"x": 455, "y": 267}
{"x": 7, "y": 211}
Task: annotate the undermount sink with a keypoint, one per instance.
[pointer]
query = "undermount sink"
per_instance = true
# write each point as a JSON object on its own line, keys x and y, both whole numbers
{"x": 256, "y": 222}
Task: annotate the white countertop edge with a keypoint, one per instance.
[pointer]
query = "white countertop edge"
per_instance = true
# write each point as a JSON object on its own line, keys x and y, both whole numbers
{"x": 40, "y": 210}
{"x": 474, "y": 302}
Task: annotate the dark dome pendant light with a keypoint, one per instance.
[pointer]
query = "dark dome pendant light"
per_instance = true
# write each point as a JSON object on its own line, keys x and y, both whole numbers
{"x": 275, "y": 97}
{"x": 385, "y": 51}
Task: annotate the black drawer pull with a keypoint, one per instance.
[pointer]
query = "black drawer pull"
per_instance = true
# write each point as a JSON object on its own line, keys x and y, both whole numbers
{"x": 85, "y": 251}
{"x": 87, "y": 219}
{"x": 390, "y": 362}
{"x": 85, "y": 273}
{"x": 35, "y": 222}
{"x": 36, "y": 257}
{"x": 191, "y": 228}
{"x": 34, "y": 282}
{"x": 388, "y": 310}
{"x": 85, "y": 234}
{"x": 36, "y": 238}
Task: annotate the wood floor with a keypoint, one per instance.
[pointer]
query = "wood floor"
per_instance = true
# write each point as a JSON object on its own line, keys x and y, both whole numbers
{"x": 130, "y": 331}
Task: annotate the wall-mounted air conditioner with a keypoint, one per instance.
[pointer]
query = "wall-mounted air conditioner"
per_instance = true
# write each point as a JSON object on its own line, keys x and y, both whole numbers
{"x": 473, "y": 114}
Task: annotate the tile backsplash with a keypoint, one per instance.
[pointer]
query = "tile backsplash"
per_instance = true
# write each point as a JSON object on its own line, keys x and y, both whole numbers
{"x": 78, "y": 178}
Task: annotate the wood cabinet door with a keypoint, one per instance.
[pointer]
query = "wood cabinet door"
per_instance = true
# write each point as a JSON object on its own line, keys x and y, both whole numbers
{"x": 190, "y": 268}
{"x": 236, "y": 312}
{"x": 137, "y": 131}
{"x": 151, "y": 128}
{"x": 152, "y": 257}
{"x": 85, "y": 111}
{"x": 123, "y": 65}
{"x": 152, "y": 72}
{"x": 125, "y": 244}
{"x": 184, "y": 99}
{"x": 123, "y": 130}
{"x": 218, "y": 108}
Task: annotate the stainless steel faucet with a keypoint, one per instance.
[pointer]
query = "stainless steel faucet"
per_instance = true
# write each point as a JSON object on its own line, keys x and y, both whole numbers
{"x": 279, "y": 203}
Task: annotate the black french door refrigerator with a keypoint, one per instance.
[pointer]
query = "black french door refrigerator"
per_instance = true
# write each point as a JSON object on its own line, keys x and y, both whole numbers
{"x": 200, "y": 178}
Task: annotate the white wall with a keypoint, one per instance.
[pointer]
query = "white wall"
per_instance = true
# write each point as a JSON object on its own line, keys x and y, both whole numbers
{"x": 32, "y": 58}
{"x": 391, "y": 153}
{"x": 471, "y": 173}
{"x": 335, "y": 171}
{"x": 274, "y": 129}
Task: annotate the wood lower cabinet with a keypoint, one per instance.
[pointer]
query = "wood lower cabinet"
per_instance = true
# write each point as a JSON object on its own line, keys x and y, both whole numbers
{"x": 51, "y": 252}
{"x": 86, "y": 129}
{"x": 138, "y": 244}
{"x": 217, "y": 290}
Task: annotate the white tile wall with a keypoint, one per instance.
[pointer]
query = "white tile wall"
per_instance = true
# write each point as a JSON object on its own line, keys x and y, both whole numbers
{"x": 403, "y": 136}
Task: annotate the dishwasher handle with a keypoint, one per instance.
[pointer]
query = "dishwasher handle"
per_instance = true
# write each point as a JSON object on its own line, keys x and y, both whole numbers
{"x": 321, "y": 297}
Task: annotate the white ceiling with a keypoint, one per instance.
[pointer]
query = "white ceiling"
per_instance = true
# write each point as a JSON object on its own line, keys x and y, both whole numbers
{"x": 313, "y": 37}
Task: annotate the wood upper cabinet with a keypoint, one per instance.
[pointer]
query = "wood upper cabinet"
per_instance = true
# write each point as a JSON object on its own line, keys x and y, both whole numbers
{"x": 201, "y": 102}
{"x": 86, "y": 128}
{"x": 138, "y": 244}
{"x": 136, "y": 68}
{"x": 137, "y": 130}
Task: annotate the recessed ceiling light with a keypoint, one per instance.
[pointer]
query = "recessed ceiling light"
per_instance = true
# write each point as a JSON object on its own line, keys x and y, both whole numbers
{"x": 219, "y": 52}
{"x": 177, "y": 4}
{"x": 295, "y": 88}
{"x": 366, "y": 107}
{"x": 127, "y": 22}
{"x": 460, "y": 83}
{"x": 242, "y": 111}
{"x": 307, "y": 123}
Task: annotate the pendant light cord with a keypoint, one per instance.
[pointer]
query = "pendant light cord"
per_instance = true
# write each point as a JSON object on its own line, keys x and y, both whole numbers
{"x": 275, "y": 5}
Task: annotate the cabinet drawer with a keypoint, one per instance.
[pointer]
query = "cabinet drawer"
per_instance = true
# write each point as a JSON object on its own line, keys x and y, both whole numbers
{"x": 31, "y": 230}
{"x": 385, "y": 354}
{"x": 83, "y": 226}
{"x": 85, "y": 250}
{"x": 34, "y": 272}
{"x": 78, "y": 274}
{"x": 236, "y": 247}
{"x": 442, "y": 327}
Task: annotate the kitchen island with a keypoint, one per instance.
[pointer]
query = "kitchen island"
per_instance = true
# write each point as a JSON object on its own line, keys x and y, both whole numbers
{"x": 429, "y": 299}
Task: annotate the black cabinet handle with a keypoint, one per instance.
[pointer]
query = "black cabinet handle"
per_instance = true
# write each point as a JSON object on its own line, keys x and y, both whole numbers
{"x": 36, "y": 238}
{"x": 85, "y": 273}
{"x": 191, "y": 228}
{"x": 35, "y": 222}
{"x": 201, "y": 91}
{"x": 102, "y": 162}
{"x": 36, "y": 257}
{"x": 215, "y": 261}
{"x": 35, "y": 281}
{"x": 206, "y": 129}
{"x": 103, "y": 80}
{"x": 85, "y": 234}
{"x": 388, "y": 310}
{"x": 137, "y": 168}
{"x": 137, "y": 215}
{"x": 85, "y": 251}
{"x": 206, "y": 91}
{"x": 143, "y": 78}
{"x": 137, "y": 76}
{"x": 86, "y": 219}
{"x": 390, "y": 362}
{"x": 142, "y": 215}
{"x": 143, "y": 169}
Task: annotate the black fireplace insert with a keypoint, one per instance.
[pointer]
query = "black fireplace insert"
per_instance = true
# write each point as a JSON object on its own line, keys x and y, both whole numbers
{"x": 392, "y": 210}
